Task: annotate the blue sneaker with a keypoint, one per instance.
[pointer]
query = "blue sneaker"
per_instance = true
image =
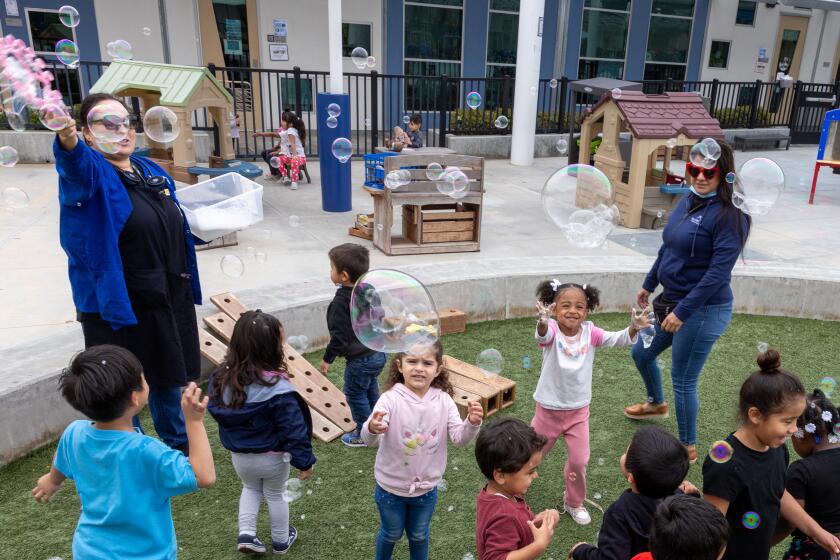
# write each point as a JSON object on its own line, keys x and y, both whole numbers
{"x": 249, "y": 544}
{"x": 283, "y": 548}
{"x": 353, "y": 439}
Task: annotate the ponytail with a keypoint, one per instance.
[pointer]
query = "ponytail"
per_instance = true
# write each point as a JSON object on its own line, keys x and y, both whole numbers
{"x": 295, "y": 122}
{"x": 769, "y": 389}
{"x": 549, "y": 290}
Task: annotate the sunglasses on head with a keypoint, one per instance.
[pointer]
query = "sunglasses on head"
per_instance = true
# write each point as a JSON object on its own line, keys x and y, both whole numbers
{"x": 696, "y": 170}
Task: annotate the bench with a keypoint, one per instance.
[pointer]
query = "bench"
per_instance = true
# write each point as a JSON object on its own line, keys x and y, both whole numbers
{"x": 742, "y": 139}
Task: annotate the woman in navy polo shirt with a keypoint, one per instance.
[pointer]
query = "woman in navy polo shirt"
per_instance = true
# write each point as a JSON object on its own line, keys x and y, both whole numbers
{"x": 131, "y": 258}
{"x": 700, "y": 245}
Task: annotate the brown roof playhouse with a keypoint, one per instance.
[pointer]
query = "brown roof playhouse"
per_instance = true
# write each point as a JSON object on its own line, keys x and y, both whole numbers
{"x": 651, "y": 119}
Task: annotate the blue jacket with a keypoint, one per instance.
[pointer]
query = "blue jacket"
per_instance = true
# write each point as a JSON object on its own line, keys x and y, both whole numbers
{"x": 273, "y": 418}
{"x": 697, "y": 255}
{"x": 94, "y": 209}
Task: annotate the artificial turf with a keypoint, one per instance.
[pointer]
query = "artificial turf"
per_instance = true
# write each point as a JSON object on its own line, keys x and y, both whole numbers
{"x": 338, "y": 520}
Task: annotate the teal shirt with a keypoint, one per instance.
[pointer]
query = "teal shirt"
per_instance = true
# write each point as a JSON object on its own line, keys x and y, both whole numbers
{"x": 124, "y": 481}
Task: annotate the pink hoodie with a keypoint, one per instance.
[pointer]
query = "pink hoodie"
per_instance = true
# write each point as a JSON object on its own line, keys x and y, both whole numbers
{"x": 412, "y": 452}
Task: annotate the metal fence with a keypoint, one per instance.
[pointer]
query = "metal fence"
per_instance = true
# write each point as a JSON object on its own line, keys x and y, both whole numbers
{"x": 380, "y": 102}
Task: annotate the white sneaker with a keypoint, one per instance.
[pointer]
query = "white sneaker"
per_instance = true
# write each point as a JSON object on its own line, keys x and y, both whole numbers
{"x": 579, "y": 514}
{"x": 294, "y": 186}
{"x": 286, "y": 180}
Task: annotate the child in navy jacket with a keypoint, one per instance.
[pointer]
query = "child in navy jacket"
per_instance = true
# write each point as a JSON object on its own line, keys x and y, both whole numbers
{"x": 265, "y": 424}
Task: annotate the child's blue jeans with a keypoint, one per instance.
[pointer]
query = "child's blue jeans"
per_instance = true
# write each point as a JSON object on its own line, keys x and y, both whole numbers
{"x": 398, "y": 514}
{"x": 361, "y": 387}
{"x": 690, "y": 346}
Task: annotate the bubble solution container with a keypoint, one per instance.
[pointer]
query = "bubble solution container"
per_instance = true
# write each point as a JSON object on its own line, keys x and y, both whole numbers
{"x": 221, "y": 205}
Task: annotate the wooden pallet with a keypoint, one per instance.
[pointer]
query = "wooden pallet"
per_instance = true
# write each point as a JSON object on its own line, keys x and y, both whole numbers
{"x": 506, "y": 387}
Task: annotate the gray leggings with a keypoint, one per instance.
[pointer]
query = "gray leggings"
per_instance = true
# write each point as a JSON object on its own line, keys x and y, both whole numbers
{"x": 262, "y": 474}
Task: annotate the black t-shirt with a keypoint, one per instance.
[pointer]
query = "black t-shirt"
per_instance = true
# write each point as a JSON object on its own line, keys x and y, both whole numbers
{"x": 813, "y": 479}
{"x": 753, "y": 482}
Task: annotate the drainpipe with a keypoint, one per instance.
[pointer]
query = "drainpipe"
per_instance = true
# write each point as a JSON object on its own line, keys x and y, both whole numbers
{"x": 526, "y": 92}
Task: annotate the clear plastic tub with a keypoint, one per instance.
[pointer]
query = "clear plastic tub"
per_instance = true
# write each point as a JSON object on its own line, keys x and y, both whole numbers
{"x": 221, "y": 205}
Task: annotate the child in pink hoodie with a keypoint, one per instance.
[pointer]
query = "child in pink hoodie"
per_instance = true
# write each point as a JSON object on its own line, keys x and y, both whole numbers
{"x": 409, "y": 425}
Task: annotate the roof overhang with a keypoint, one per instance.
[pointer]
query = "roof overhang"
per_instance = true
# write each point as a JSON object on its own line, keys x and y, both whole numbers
{"x": 830, "y": 5}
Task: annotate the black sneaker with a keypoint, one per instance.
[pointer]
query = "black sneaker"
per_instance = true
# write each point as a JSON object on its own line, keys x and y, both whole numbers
{"x": 249, "y": 544}
{"x": 283, "y": 548}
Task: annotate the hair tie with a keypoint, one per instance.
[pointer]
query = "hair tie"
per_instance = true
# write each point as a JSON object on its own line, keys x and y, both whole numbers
{"x": 555, "y": 284}
{"x": 584, "y": 287}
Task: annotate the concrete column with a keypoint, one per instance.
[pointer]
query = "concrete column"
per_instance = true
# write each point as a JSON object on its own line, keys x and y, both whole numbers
{"x": 528, "y": 51}
{"x": 336, "y": 70}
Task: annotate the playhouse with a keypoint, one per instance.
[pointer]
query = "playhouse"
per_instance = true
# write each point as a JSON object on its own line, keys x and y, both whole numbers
{"x": 632, "y": 164}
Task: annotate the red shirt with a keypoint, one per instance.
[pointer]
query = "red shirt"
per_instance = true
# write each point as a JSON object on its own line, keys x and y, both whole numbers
{"x": 643, "y": 556}
{"x": 501, "y": 525}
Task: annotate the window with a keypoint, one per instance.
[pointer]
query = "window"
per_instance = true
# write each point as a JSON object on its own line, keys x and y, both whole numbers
{"x": 603, "y": 38}
{"x": 232, "y": 24}
{"x": 46, "y": 30}
{"x": 287, "y": 94}
{"x": 746, "y": 12}
{"x": 433, "y": 32}
{"x": 505, "y": 5}
{"x": 719, "y": 54}
{"x": 355, "y": 35}
{"x": 669, "y": 36}
{"x": 502, "y": 33}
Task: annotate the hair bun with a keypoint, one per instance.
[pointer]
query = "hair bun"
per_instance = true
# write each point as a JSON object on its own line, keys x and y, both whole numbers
{"x": 769, "y": 361}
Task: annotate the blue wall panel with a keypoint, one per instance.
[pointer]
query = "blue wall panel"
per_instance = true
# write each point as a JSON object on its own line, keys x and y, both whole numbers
{"x": 549, "y": 40}
{"x": 476, "y": 16}
{"x": 698, "y": 37}
{"x": 87, "y": 36}
{"x": 573, "y": 28}
{"x": 634, "y": 66}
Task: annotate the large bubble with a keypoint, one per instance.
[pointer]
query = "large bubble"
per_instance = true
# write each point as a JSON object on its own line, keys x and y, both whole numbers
{"x": 120, "y": 50}
{"x": 232, "y": 266}
{"x": 342, "y": 149}
{"x": 758, "y": 185}
{"x": 53, "y": 116}
{"x": 334, "y": 110}
{"x": 161, "y": 124}
{"x": 359, "y": 57}
{"x": 8, "y": 156}
{"x": 502, "y": 121}
{"x": 490, "y": 362}
{"x": 434, "y": 171}
{"x": 69, "y": 16}
{"x": 578, "y": 199}
{"x": 393, "y": 312}
{"x": 108, "y": 121}
{"x": 67, "y": 53}
{"x": 16, "y": 198}
{"x": 705, "y": 153}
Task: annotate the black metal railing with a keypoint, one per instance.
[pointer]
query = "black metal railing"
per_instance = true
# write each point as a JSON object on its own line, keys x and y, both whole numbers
{"x": 380, "y": 102}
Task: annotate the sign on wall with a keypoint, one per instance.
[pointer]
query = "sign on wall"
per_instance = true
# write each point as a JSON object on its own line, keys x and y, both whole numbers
{"x": 233, "y": 37}
{"x": 281, "y": 28}
{"x": 12, "y": 8}
{"x": 278, "y": 51}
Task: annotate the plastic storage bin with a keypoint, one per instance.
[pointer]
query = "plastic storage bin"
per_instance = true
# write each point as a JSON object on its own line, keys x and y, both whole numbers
{"x": 221, "y": 205}
{"x": 375, "y": 169}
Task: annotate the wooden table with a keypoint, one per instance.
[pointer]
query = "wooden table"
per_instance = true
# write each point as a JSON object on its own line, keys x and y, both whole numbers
{"x": 431, "y": 151}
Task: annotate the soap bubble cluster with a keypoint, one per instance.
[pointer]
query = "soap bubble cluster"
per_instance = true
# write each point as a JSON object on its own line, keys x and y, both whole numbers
{"x": 758, "y": 185}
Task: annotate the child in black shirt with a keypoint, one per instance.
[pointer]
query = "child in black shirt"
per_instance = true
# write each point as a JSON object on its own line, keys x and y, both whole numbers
{"x": 744, "y": 477}
{"x": 811, "y": 480}
{"x": 655, "y": 465}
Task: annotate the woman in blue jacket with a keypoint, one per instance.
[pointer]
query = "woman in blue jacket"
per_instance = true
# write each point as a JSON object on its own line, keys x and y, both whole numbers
{"x": 131, "y": 259}
{"x": 700, "y": 245}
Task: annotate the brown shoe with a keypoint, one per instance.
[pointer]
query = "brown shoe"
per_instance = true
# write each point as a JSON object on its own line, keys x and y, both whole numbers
{"x": 692, "y": 454}
{"x": 646, "y": 411}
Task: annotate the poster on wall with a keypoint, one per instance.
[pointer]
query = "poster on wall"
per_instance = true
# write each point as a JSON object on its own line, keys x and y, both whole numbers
{"x": 281, "y": 28}
{"x": 233, "y": 37}
{"x": 12, "y": 8}
{"x": 278, "y": 52}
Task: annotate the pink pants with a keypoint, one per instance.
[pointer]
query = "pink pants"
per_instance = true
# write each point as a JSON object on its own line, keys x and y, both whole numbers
{"x": 573, "y": 426}
{"x": 294, "y": 162}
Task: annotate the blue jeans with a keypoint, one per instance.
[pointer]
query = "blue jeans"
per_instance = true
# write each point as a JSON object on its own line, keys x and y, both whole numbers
{"x": 691, "y": 346}
{"x": 360, "y": 385}
{"x": 398, "y": 514}
{"x": 165, "y": 406}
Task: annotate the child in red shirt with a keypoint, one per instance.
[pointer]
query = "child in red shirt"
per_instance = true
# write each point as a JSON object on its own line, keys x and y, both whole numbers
{"x": 508, "y": 453}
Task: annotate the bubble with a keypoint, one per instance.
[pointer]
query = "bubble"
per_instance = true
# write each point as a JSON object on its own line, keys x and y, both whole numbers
{"x": 232, "y": 266}
{"x": 406, "y": 119}
{"x": 69, "y": 16}
{"x": 578, "y": 199}
{"x": 120, "y": 50}
{"x": 300, "y": 343}
{"x": 67, "y": 52}
{"x": 587, "y": 89}
{"x": 108, "y": 121}
{"x": 473, "y": 100}
{"x": 553, "y": 83}
{"x": 275, "y": 162}
{"x": 450, "y": 508}
{"x": 53, "y": 116}
{"x": 404, "y": 176}
{"x": 147, "y": 31}
{"x": 434, "y": 171}
{"x": 334, "y": 110}
{"x": 671, "y": 143}
{"x": 309, "y": 492}
{"x": 443, "y": 486}
{"x": 502, "y": 121}
{"x": 597, "y": 496}
{"x": 572, "y": 476}
{"x": 616, "y": 93}
{"x": 292, "y": 490}
{"x": 371, "y": 62}
{"x": 342, "y": 149}
{"x": 332, "y": 122}
{"x": 393, "y": 180}
{"x": 379, "y": 227}
{"x": 459, "y": 180}
{"x": 601, "y": 461}
{"x": 359, "y": 56}
{"x": 758, "y": 186}
{"x": 8, "y": 156}
{"x": 827, "y": 384}
{"x": 286, "y": 457}
{"x": 659, "y": 214}
{"x": 161, "y": 124}
{"x": 751, "y": 520}
{"x": 712, "y": 148}
{"x": 490, "y": 362}
{"x": 762, "y": 347}
{"x": 302, "y": 516}
{"x": 107, "y": 147}
{"x": 562, "y": 146}
{"x": 526, "y": 362}
{"x": 391, "y": 311}
{"x": 720, "y": 452}
{"x": 294, "y": 221}
{"x": 16, "y": 198}
{"x": 730, "y": 177}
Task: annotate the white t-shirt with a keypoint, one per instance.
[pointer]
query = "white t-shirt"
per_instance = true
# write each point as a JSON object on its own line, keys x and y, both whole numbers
{"x": 287, "y": 136}
{"x": 566, "y": 377}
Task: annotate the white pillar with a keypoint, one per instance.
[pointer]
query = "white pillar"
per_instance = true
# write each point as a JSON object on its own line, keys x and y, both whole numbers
{"x": 336, "y": 70}
{"x": 526, "y": 92}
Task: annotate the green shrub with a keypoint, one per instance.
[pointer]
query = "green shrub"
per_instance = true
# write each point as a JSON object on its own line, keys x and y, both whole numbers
{"x": 740, "y": 116}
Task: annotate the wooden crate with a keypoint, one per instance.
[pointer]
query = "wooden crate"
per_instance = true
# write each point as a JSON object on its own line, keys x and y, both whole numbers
{"x": 440, "y": 223}
{"x": 462, "y": 399}
{"x": 452, "y": 321}
{"x": 363, "y": 227}
{"x": 505, "y": 386}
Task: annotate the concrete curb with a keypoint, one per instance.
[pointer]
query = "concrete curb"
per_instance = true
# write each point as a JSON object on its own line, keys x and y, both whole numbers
{"x": 486, "y": 290}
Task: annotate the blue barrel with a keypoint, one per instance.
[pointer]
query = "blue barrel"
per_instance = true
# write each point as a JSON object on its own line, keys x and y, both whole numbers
{"x": 335, "y": 176}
